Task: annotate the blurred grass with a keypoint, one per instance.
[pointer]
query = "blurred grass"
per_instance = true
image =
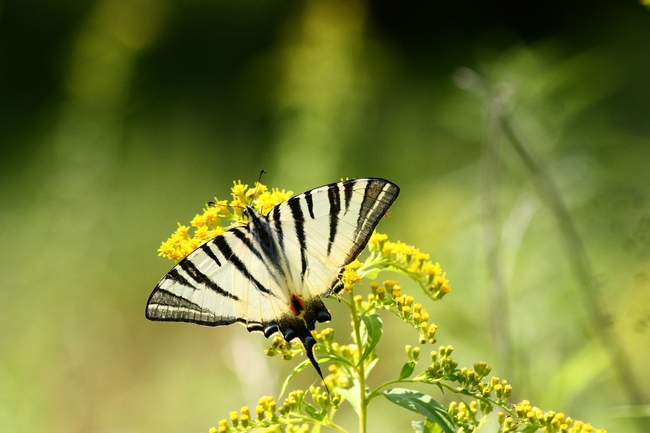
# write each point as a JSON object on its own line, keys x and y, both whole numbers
{"x": 120, "y": 118}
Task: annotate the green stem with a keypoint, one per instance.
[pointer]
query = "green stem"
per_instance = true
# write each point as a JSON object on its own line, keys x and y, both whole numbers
{"x": 360, "y": 368}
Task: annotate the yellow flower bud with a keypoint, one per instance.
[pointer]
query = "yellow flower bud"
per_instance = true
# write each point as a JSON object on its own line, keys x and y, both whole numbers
{"x": 234, "y": 418}
{"x": 259, "y": 411}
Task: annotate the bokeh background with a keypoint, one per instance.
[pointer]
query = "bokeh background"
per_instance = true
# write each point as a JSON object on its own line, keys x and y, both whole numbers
{"x": 119, "y": 118}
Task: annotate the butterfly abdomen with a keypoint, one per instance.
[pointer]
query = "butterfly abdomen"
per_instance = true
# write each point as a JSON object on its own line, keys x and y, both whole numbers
{"x": 264, "y": 245}
{"x": 297, "y": 305}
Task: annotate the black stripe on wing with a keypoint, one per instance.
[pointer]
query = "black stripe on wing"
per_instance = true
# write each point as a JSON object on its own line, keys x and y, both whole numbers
{"x": 162, "y": 297}
{"x": 264, "y": 231}
{"x": 277, "y": 226}
{"x": 200, "y": 278}
{"x": 208, "y": 252}
{"x": 348, "y": 188}
{"x": 378, "y": 196}
{"x": 258, "y": 234}
{"x": 299, "y": 222}
{"x": 166, "y": 306}
{"x": 334, "y": 197}
{"x": 176, "y": 277}
{"x": 310, "y": 203}
{"x": 222, "y": 245}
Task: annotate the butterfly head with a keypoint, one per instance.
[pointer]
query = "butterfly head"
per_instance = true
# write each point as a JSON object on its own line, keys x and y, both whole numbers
{"x": 250, "y": 213}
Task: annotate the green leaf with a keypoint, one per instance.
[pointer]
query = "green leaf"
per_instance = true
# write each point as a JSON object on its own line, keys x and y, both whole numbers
{"x": 374, "y": 330}
{"x": 426, "y": 426}
{"x": 530, "y": 429}
{"x": 431, "y": 427}
{"x": 332, "y": 357}
{"x": 407, "y": 370}
{"x": 371, "y": 273}
{"x": 418, "y": 426}
{"x": 423, "y": 404}
{"x": 297, "y": 369}
{"x": 370, "y": 366}
{"x": 351, "y": 395}
{"x": 318, "y": 415}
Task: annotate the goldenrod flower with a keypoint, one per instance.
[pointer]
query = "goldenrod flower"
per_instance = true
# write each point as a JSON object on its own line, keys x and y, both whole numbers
{"x": 350, "y": 276}
{"x": 398, "y": 256}
{"x": 219, "y": 216}
{"x": 239, "y": 191}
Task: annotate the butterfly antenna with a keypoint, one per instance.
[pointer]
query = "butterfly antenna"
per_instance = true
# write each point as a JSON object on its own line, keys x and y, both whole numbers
{"x": 259, "y": 181}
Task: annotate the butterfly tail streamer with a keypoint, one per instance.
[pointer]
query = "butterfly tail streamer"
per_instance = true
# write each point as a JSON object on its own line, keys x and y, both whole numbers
{"x": 308, "y": 342}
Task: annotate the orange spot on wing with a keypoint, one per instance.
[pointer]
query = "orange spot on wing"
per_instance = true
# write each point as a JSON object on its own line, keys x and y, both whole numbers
{"x": 297, "y": 305}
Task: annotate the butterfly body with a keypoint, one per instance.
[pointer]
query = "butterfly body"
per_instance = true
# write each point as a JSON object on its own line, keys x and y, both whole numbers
{"x": 270, "y": 274}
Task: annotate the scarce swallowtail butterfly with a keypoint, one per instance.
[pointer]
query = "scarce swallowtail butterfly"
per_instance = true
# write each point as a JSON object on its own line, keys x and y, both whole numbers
{"x": 271, "y": 273}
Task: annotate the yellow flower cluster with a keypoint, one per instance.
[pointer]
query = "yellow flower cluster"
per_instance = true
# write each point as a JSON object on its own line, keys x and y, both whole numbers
{"x": 389, "y": 295}
{"x": 272, "y": 418}
{"x": 338, "y": 378}
{"x": 279, "y": 346}
{"x": 411, "y": 260}
{"x": 412, "y": 353}
{"x": 441, "y": 364}
{"x": 463, "y": 414}
{"x": 219, "y": 216}
{"x": 291, "y": 402}
{"x": 348, "y": 352}
{"x": 350, "y": 275}
{"x": 486, "y": 391}
{"x": 500, "y": 387}
{"x": 550, "y": 421}
{"x": 265, "y": 414}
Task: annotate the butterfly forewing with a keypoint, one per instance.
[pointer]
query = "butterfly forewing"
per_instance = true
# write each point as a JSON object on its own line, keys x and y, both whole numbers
{"x": 335, "y": 222}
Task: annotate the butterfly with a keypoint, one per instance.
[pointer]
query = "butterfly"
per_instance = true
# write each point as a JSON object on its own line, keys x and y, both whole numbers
{"x": 270, "y": 274}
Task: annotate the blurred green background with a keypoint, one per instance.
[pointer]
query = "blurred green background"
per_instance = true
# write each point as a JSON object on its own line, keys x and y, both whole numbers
{"x": 119, "y": 118}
